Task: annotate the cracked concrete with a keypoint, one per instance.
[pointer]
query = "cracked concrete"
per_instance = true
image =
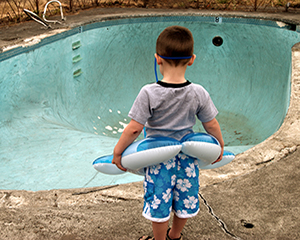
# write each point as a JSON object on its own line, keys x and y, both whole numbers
{"x": 266, "y": 198}
{"x": 222, "y": 224}
{"x": 256, "y": 196}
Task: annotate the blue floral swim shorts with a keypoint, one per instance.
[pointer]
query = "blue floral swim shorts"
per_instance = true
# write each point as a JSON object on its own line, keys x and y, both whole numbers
{"x": 172, "y": 186}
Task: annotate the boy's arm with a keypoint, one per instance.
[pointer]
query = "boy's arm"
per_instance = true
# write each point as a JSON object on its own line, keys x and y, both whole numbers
{"x": 130, "y": 133}
{"x": 213, "y": 128}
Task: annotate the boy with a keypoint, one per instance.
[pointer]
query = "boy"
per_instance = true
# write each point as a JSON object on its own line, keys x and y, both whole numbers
{"x": 169, "y": 108}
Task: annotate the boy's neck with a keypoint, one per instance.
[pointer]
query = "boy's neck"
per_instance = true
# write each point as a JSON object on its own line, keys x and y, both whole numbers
{"x": 173, "y": 82}
{"x": 174, "y": 75}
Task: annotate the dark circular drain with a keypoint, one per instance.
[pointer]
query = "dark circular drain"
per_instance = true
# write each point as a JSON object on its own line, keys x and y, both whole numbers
{"x": 217, "y": 41}
{"x": 247, "y": 224}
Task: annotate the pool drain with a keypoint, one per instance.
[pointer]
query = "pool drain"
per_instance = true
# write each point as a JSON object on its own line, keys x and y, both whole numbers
{"x": 217, "y": 41}
{"x": 246, "y": 224}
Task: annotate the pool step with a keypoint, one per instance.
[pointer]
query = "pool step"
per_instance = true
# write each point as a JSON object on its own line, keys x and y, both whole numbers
{"x": 75, "y": 46}
{"x": 77, "y": 73}
{"x": 76, "y": 59}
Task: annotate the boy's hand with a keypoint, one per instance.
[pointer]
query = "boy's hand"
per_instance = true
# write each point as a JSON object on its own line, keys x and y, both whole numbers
{"x": 117, "y": 160}
{"x": 220, "y": 157}
{"x": 130, "y": 133}
{"x": 213, "y": 128}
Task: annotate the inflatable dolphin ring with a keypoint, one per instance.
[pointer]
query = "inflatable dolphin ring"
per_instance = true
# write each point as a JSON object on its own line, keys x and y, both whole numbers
{"x": 154, "y": 150}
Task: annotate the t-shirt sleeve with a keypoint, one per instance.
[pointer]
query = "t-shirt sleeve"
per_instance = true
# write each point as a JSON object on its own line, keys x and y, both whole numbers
{"x": 140, "y": 110}
{"x": 207, "y": 111}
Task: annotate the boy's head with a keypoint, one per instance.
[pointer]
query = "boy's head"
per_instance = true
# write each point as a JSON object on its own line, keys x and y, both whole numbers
{"x": 175, "y": 41}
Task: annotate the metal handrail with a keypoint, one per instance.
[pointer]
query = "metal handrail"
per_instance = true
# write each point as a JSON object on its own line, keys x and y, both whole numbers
{"x": 61, "y": 12}
{"x": 36, "y": 18}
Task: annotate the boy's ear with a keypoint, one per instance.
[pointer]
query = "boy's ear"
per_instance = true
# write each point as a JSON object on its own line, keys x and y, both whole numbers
{"x": 158, "y": 59}
{"x": 192, "y": 60}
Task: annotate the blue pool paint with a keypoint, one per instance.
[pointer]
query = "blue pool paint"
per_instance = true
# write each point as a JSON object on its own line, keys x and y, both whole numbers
{"x": 64, "y": 101}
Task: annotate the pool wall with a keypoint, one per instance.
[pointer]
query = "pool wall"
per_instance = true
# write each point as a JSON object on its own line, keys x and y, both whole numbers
{"x": 117, "y": 54}
{"x": 84, "y": 81}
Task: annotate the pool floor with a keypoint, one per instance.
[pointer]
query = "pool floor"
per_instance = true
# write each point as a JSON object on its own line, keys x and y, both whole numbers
{"x": 46, "y": 155}
{"x": 38, "y": 155}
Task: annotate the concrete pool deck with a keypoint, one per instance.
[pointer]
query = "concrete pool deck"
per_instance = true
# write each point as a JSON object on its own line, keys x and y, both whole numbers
{"x": 255, "y": 197}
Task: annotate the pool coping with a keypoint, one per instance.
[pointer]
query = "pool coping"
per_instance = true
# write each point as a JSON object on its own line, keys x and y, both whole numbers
{"x": 100, "y": 15}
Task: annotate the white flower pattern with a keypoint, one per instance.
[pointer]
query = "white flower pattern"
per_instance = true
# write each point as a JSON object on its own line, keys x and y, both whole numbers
{"x": 170, "y": 164}
{"x": 190, "y": 171}
{"x": 155, "y": 169}
{"x": 176, "y": 195}
{"x": 173, "y": 180}
{"x": 183, "y": 185}
{"x": 167, "y": 195}
{"x": 148, "y": 179}
{"x": 181, "y": 212}
{"x": 183, "y": 156}
{"x": 191, "y": 202}
{"x": 155, "y": 202}
{"x": 172, "y": 185}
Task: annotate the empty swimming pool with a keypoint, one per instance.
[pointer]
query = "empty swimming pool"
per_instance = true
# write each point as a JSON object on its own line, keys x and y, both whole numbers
{"x": 64, "y": 101}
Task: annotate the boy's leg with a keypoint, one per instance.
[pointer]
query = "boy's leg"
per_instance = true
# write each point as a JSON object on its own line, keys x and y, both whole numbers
{"x": 160, "y": 230}
{"x": 158, "y": 184}
{"x": 177, "y": 227}
{"x": 186, "y": 200}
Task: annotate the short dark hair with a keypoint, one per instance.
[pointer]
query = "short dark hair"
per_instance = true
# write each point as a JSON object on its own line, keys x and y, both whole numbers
{"x": 175, "y": 41}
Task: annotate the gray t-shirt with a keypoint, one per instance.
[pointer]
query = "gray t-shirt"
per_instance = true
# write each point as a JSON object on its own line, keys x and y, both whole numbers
{"x": 170, "y": 110}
